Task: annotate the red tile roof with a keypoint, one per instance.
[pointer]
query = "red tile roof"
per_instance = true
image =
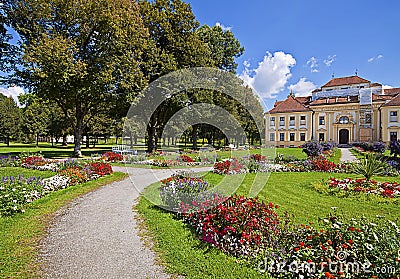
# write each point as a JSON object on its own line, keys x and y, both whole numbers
{"x": 395, "y": 102}
{"x": 291, "y": 104}
{"x": 391, "y": 91}
{"x": 303, "y": 100}
{"x": 345, "y": 81}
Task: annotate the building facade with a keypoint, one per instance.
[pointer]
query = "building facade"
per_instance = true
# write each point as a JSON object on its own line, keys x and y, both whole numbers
{"x": 344, "y": 110}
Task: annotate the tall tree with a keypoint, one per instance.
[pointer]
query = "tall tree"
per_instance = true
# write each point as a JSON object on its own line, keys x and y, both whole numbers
{"x": 173, "y": 32}
{"x": 223, "y": 46}
{"x": 10, "y": 119}
{"x": 5, "y": 46}
{"x": 36, "y": 119}
{"x": 79, "y": 54}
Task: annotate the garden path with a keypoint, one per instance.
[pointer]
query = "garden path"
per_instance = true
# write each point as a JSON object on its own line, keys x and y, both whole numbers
{"x": 347, "y": 156}
{"x": 96, "y": 236}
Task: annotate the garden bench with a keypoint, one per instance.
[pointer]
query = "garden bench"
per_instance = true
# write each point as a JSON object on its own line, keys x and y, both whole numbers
{"x": 123, "y": 149}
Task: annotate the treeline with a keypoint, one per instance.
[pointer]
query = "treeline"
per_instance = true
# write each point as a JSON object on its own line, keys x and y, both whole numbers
{"x": 84, "y": 63}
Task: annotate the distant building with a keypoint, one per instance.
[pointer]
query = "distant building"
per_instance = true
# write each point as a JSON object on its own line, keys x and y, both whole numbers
{"x": 344, "y": 110}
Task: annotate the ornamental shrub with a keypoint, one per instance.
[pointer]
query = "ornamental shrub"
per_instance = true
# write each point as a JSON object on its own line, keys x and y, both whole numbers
{"x": 379, "y": 147}
{"x": 312, "y": 148}
{"x": 394, "y": 148}
{"x": 369, "y": 166}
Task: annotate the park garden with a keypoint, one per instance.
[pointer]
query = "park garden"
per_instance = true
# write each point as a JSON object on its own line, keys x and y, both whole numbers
{"x": 312, "y": 210}
{"x": 257, "y": 213}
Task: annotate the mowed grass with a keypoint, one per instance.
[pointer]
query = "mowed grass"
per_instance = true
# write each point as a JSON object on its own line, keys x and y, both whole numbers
{"x": 183, "y": 254}
{"x": 48, "y": 151}
{"x": 16, "y": 171}
{"x": 20, "y": 234}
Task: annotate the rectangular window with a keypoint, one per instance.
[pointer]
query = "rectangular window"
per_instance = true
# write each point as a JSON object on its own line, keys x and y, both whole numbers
{"x": 282, "y": 136}
{"x": 272, "y": 137}
{"x": 291, "y": 136}
{"x": 303, "y": 120}
{"x": 393, "y": 116}
{"x": 291, "y": 121}
{"x": 393, "y": 136}
{"x": 302, "y": 136}
{"x": 272, "y": 121}
{"x": 281, "y": 121}
{"x": 322, "y": 120}
{"x": 368, "y": 118}
{"x": 321, "y": 137}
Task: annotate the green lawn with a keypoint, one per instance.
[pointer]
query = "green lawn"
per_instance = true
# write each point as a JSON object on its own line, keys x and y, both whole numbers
{"x": 21, "y": 233}
{"x": 184, "y": 255}
{"x": 49, "y": 151}
{"x": 14, "y": 171}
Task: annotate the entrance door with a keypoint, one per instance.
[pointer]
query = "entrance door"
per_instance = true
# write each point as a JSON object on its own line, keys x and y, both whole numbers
{"x": 343, "y": 136}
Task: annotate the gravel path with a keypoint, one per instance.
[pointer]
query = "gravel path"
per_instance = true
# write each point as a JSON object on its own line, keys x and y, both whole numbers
{"x": 96, "y": 236}
{"x": 347, "y": 156}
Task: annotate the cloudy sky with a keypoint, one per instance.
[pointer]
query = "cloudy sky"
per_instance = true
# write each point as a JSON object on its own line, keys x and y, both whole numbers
{"x": 299, "y": 45}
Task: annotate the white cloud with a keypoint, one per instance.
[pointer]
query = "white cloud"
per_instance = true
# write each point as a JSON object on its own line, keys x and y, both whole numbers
{"x": 328, "y": 61}
{"x": 380, "y": 56}
{"x": 271, "y": 75}
{"x": 387, "y": 86}
{"x": 302, "y": 87}
{"x": 225, "y": 28}
{"x": 13, "y": 91}
{"x": 246, "y": 64}
{"x": 313, "y": 63}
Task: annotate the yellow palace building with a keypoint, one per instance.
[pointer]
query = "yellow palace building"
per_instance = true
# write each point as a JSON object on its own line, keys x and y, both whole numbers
{"x": 344, "y": 110}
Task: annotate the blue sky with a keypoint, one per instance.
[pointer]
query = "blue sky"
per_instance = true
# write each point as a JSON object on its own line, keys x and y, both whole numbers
{"x": 300, "y": 44}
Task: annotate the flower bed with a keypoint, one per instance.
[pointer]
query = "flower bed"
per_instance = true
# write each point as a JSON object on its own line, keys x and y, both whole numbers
{"x": 112, "y": 157}
{"x": 183, "y": 190}
{"x": 385, "y": 189}
{"x": 253, "y": 231}
{"x": 239, "y": 226}
{"x": 17, "y": 192}
{"x": 231, "y": 166}
{"x": 9, "y": 161}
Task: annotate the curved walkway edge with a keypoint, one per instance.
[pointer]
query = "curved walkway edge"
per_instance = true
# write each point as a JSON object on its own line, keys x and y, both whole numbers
{"x": 96, "y": 236}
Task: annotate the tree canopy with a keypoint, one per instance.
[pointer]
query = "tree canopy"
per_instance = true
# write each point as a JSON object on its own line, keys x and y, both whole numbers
{"x": 79, "y": 55}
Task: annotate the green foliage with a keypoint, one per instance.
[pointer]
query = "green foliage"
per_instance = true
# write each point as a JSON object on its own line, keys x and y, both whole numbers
{"x": 369, "y": 166}
{"x": 79, "y": 55}
{"x": 223, "y": 45}
{"x": 10, "y": 119}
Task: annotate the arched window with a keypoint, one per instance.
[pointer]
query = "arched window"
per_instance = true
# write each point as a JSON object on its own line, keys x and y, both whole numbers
{"x": 343, "y": 120}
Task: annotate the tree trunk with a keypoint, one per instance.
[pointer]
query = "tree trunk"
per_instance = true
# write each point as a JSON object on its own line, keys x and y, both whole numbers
{"x": 151, "y": 136}
{"x": 78, "y": 131}
{"x": 64, "y": 142}
{"x": 8, "y": 141}
{"x": 194, "y": 137}
{"x": 37, "y": 139}
{"x": 87, "y": 141}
